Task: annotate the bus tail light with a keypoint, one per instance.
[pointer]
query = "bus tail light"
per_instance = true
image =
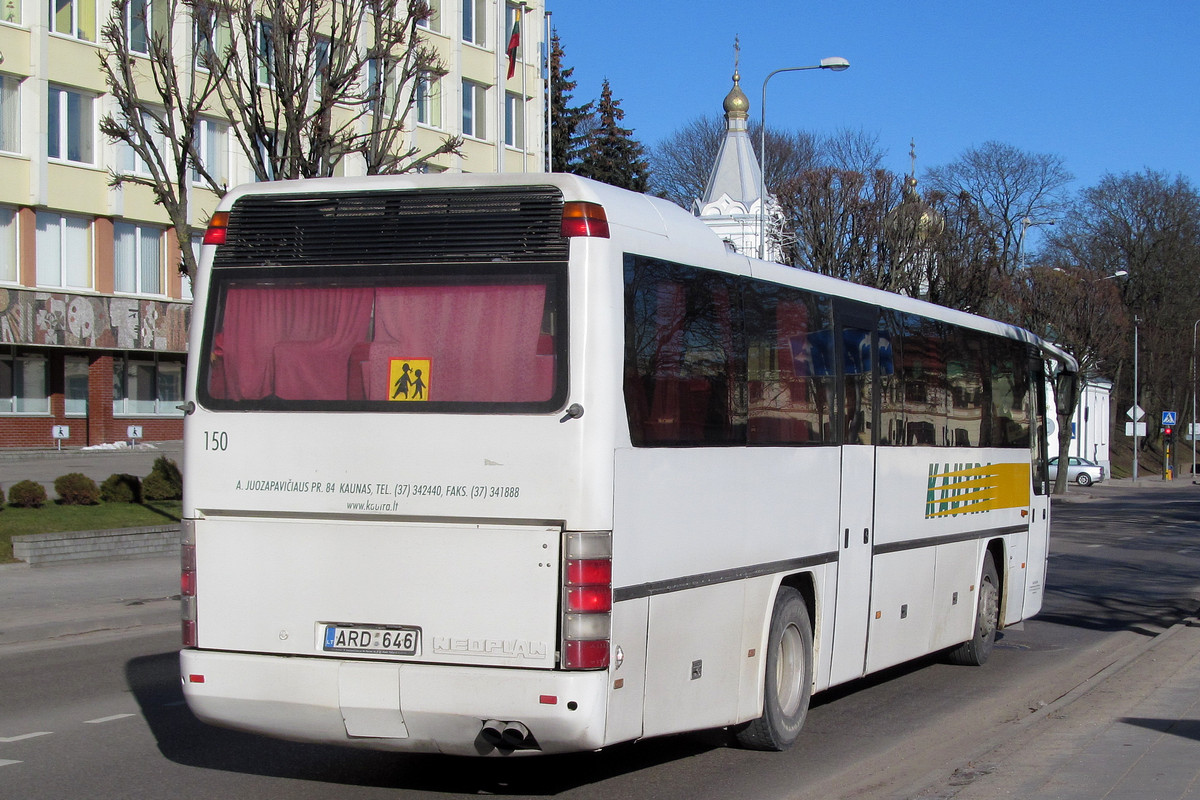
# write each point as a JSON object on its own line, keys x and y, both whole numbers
{"x": 587, "y": 600}
{"x": 187, "y": 582}
{"x": 218, "y": 226}
{"x": 584, "y": 219}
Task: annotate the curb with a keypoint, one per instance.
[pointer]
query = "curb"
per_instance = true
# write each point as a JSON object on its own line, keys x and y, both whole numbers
{"x": 77, "y": 547}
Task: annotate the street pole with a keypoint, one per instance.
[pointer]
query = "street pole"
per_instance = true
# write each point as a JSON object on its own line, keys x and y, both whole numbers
{"x": 1192, "y": 429}
{"x": 835, "y": 64}
{"x": 1135, "y": 397}
{"x": 549, "y": 99}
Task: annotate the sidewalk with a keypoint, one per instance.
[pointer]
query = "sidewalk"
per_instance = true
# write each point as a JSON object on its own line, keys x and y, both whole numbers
{"x": 1130, "y": 733}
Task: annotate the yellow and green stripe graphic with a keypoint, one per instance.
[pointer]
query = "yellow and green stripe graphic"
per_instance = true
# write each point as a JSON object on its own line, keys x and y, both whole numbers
{"x": 974, "y": 488}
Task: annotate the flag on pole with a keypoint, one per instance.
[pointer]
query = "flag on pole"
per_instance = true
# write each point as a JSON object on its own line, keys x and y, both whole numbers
{"x": 514, "y": 43}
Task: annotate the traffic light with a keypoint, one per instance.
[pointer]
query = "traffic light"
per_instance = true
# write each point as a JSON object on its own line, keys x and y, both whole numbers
{"x": 1169, "y": 433}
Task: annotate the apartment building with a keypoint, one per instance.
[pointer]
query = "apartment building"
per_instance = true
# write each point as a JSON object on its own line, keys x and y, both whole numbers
{"x": 94, "y": 314}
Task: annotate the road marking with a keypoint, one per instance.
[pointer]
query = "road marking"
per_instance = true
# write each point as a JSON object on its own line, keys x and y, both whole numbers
{"x": 106, "y": 719}
{"x": 6, "y": 763}
{"x": 23, "y": 737}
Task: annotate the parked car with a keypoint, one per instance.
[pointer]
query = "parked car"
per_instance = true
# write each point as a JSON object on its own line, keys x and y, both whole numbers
{"x": 1080, "y": 470}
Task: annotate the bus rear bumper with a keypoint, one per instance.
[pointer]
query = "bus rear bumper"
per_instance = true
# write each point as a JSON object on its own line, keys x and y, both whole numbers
{"x": 396, "y": 706}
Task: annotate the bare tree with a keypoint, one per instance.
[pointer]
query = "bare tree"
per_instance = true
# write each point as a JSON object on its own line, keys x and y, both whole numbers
{"x": 303, "y": 84}
{"x": 681, "y": 163}
{"x": 1006, "y": 185}
{"x": 160, "y": 100}
{"x": 1148, "y": 225}
{"x": 855, "y": 150}
{"x": 839, "y": 218}
{"x": 1078, "y": 309}
{"x": 348, "y": 83}
{"x": 961, "y": 270}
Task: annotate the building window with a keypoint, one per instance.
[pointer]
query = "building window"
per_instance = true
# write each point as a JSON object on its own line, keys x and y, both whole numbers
{"x": 70, "y": 126}
{"x": 138, "y": 258}
{"x": 23, "y": 385}
{"x": 324, "y": 61}
{"x": 10, "y": 11}
{"x": 474, "y": 104}
{"x": 129, "y": 162}
{"x": 429, "y": 101}
{"x": 8, "y": 245}
{"x": 138, "y": 26}
{"x": 147, "y": 388}
{"x": 64, "y": 251}
{"x": 211, "y": 35}
{"x": 514, "y": 120}
{"x": 75, "y": 386}
{"x": 10, "y": 114}
{"x": 75, "y": 18}
{"x": 212, "y": 143}
{"x": 266, "y": 53}
{"x": 474, "y": 22}
{"x": 434, "y": 21}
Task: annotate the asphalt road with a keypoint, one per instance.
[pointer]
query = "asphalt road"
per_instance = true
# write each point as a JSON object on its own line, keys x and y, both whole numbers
{"x": 102, "y": 716}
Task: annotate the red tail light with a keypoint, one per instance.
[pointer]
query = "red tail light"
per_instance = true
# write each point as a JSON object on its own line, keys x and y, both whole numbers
{"x": 584, "y": 219}
{"x": 587, "y": 600}
{"x": 218, "y": 226}
{"x": 187, "y": 583}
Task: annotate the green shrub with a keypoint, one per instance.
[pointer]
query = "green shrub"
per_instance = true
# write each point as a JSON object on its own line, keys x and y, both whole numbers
{"x": 164, "y": 482}
{"x": 121, "y": 488}
{"x": 27, "y": 494}
{"x": 76, "y": 489}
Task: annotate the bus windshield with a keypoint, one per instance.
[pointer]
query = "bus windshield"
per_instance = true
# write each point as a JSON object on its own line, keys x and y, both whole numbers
{"x": 470, "y": 341}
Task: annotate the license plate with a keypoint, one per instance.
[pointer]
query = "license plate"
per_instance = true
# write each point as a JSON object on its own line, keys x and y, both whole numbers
{"x": 392, "y": 640}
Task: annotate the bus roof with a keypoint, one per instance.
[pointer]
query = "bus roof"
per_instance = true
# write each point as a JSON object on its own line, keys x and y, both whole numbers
{"x": 658, "y": 217}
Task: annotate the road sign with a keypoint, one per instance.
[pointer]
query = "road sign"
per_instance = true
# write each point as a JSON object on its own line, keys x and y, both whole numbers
{"x": 1168, "y": 418}
{"x": 1135, "y": 413}
{"x": 1141, "y": 428}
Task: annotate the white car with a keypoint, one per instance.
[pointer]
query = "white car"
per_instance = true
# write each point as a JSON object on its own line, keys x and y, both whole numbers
{"x": 1080, "y": 470}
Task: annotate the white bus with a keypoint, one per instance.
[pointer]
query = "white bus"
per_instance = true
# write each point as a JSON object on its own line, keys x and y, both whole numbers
{"x": 506, "y": 465}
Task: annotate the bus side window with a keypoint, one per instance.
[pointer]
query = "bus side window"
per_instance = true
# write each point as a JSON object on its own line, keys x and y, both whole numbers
{"x": 684, "y": 359}
{"x": 790, "y": 371}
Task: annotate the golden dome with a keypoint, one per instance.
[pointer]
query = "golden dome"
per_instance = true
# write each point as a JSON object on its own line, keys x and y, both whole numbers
{"x": 736, "y": 104}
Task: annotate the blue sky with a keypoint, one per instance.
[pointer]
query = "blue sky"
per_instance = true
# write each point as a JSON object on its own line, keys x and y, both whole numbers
{"x": 1109, "y": 86}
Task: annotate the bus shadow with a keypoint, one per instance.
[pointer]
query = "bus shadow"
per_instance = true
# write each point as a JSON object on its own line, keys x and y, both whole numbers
{"x": 184, "y": 740}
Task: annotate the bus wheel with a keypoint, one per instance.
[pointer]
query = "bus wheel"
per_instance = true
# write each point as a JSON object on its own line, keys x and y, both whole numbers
{"x": 788, "y": 677}
{"x": 975, "y": 651}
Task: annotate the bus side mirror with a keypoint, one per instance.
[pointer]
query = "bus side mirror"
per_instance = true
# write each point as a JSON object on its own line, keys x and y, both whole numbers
{"x": 1067, "y": 391}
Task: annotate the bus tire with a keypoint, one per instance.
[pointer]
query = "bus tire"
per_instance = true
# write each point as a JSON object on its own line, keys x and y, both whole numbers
{"x": 788, "y": 677}
{"x": 975, "y": 651}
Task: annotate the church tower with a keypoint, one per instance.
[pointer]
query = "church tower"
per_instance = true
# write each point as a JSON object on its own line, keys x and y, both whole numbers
{"x": 731, "y": 205}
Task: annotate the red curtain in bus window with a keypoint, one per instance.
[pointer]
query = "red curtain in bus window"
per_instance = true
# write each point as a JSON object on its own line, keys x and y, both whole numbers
{"x": 288, "y": 342}
{"x": 481, "y": 342}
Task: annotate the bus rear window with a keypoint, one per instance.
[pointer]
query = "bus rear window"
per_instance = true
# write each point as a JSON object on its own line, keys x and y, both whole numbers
{"x": 385, "y": 343}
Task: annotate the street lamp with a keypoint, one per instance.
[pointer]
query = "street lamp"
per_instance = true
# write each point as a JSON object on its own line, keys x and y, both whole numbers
{"x": 1026, "y": 224}
{"x": 834, "y": 64}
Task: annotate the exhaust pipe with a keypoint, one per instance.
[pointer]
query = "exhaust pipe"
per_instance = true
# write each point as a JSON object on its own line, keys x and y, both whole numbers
{"x": 493, "y": 732}
{"x": 515, "y": 735}
{"x": 505, "y": 737}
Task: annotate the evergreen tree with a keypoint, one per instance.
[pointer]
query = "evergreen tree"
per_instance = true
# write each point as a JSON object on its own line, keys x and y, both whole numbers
{"x": 567, "y": 122}
{"x": 612, "y": 154}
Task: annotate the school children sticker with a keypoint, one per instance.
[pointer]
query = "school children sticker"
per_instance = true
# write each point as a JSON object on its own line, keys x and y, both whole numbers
{"x": 408, "y": 379}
